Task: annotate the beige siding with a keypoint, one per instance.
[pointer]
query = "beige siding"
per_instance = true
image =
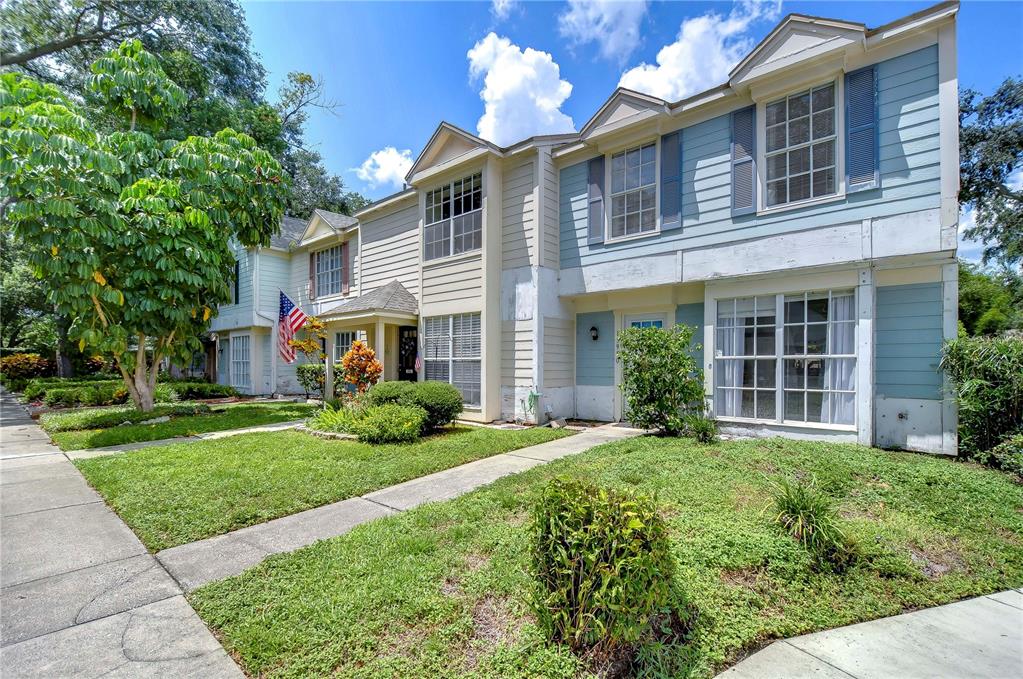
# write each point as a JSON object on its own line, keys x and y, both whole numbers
{"x": 517, "y": 353}
{"x": 390, "y": 250}
{"x": 457, "y": 281}
{"x": 549, "y": 223}
{"x": 299, "y": 276}
{"x": 558, "y": 352}
{"x": 518, "y": 217}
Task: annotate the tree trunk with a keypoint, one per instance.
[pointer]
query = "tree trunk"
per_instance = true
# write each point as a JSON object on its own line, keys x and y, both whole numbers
{"x": 64, "y": 367}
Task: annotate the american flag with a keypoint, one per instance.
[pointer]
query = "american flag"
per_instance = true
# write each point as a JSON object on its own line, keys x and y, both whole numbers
{"x": 289, "y": 320}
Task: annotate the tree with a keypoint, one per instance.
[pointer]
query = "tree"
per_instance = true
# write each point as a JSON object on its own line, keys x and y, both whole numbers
{"x": 987, "y": 300}
{"x": 24, "y": 309}
{"x": 133, "y": 234}
{"x": 990, "y": 155}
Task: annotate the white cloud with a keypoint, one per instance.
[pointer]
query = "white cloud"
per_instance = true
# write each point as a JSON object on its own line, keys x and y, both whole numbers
{"x": 522, "y": 91}
{"x": 388, "y": 166}
{"x": 613, "y": 25}
{"x": 502, "y": 9}
{"x": 707, "y": 48}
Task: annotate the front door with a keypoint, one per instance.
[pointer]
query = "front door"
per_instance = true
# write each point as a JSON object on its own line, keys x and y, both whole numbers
{"x": 408, "y": 345}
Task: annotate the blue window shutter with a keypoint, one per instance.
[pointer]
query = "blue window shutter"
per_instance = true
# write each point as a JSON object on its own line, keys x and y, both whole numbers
{"x": 861, "y": 130}
{"x": 671, "y": 181}
{"x": 744, "y": 164}
{"x": 595, "y": 202}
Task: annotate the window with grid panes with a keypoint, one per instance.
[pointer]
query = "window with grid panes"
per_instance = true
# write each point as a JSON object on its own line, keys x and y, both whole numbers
{"x": 240, "y": 370}
{"x": 343, "y": 342}
{"x": 453, "y": 347}
{"x": 329, "y": 271}
{"x": 454, "y": 218}
{"x": 797, "y": 366}
{"x": 634, "y": 191}
{"x": 801, "y": 146}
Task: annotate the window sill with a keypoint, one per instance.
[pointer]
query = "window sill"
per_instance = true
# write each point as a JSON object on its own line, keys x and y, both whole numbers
{"x": 427, "y": 263}
{"x": 787, "y": 423}
{"x": 626, "y": 239}
{"x": 811, "y": 202}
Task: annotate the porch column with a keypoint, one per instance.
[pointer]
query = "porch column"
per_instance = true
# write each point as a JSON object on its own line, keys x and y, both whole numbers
{"x": 380, "y": 340}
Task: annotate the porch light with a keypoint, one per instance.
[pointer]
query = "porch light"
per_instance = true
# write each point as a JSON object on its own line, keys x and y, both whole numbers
{"x": 593, "y": 333}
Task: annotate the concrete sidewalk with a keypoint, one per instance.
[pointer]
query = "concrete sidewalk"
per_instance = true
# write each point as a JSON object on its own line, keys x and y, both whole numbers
{"x": 198, "y": 563}
{"x": 980, "y": 638}
{"x": 79, "y": 594}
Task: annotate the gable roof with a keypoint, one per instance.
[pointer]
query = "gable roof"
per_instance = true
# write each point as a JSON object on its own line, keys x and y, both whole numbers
{"x": 787, "y": 23}
{"x": 335, "y": 220}
{"x": 621, "y": 96}
{"x": 392, "y": 297}
{"x": 437, "y": 139}
{"x": 292, "y": 229}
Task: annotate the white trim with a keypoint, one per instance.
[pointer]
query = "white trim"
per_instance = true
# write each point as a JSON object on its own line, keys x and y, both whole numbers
{"x": 948, "y": 133}
{"x": 608, "y": 195}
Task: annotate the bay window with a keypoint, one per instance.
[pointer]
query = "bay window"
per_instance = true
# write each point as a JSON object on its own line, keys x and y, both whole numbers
{"x": 634, "y": 191}
{"x": 801, "y": 148}
{"x": 787, "y": 358}
{"x": 453, "y": 347}
{"x": 454, "y": 218}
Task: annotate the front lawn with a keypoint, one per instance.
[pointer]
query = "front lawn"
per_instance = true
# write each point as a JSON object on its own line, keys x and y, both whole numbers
{"x": 229, "y": 417}
{"x": 180, "y": 493}
{"x": 439, "y": 591}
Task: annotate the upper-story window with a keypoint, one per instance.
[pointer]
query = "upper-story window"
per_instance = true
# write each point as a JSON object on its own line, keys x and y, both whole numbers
{"x": 801, "y": 146}
{"x": 454, "y": 218}
{"x": 634, "y": 191}
{"x": 329, "y": 271}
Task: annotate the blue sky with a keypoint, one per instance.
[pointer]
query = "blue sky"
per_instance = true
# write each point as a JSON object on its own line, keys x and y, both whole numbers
{"x": 398, "y": 69}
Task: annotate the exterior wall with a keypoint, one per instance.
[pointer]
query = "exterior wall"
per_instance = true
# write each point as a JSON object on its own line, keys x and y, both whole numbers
{"x": 298, "y": 289}
{"x": 518, "y": 217}
{"x": 558, "y": 352}
{"x": 910, "y": 183}
{"x": 595, "y": 366}
{"x": 549, "y": 224}
{"x": 453, "y": 285}
{"x": 239, "y": 314}
{"x": 390, "y": 250}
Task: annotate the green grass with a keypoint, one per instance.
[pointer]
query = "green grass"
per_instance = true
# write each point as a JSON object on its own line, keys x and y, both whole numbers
{"x": 231, "y": 417}
{"x": 170, "y": 495}
{"x": 76, "y": 419}
{"x": 439, "y": 591}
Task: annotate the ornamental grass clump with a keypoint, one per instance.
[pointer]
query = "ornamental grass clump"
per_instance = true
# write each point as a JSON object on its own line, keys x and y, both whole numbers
{"x": 602, "y": 566}
{"x": 809, "y": 516}
{"x": 390, "y": 423}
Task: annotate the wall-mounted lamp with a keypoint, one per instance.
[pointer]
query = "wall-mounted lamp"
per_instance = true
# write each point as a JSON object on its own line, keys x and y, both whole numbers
{"x": 594, "y": 334}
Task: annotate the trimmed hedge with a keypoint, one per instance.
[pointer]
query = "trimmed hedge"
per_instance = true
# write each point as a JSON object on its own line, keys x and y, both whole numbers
{"x": 105, "y": 391}
{"x": 441, "y": 401}
{"x": 104, "y": 418}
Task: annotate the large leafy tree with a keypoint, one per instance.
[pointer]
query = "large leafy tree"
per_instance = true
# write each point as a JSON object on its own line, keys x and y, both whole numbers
{"x": 25, "y": 314}
{"x": 990, "y": 158}
{"x": 132, "y": 233}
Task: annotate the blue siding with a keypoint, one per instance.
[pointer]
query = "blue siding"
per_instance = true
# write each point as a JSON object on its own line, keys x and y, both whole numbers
{"x": 908, "y": 341}
{"x": 692, "y": 314}
{"x": 909, "y": 167}
{"x": 595, "y": 361}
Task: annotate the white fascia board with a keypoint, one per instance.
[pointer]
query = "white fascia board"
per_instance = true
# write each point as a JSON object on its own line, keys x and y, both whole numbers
{"x": 437, "y": 171}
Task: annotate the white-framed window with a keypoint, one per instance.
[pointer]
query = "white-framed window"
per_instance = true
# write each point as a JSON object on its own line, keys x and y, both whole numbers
{"x": 329, "y": 271}
{"x": 343, "y": 342}
{"x": 241, "y": 374}
{"x": 454, "y": 218}
{"x": 645, "y": 321}
{"x": 453, "y": 347}
{"x": 796, "y": 365}
{"x": 633, "y": 194}
{"x": 801, "y": 156}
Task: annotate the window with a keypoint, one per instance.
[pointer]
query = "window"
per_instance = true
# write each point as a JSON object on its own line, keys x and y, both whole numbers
{"x": 634, "y": 191}
{"x": 645, "y": 321}
{"x": 801, "y": 146}
{"x": 343, "y": 342}
{"x": 454, "y": 218}
{"x": 329, "y": 271}
{"x": 453, "y": 349}
{"x": 240, "y": 373}
{"x": 795, "y": 366}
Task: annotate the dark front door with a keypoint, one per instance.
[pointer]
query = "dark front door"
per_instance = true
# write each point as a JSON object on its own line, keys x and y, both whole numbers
{"x": 408, "y": 344}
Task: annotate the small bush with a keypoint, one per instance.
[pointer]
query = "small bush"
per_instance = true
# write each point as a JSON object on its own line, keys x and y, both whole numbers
{"x": 390, "y": 423}
{"x": 987, "y": 378}
{"x": 1008, "y": 455}
{"x": 389, "y": 392}
{"x": 441, "y": 401}
{"x": 104, "y": 418}
{"x": 312, "y": 377}
{"x": 165, "y": 393}
{"x": 661, "y": 381}
{"x": 24, "y": 366}
{"x": 360, "y": 367}
{"x": 99, "y": 394}
{"x": 338, "y": 416}
{"x": 809, "y": 516}
{"x": 204, "y": 390}
{"x": 602, "y": 565}
{"x": 700, "y": 427}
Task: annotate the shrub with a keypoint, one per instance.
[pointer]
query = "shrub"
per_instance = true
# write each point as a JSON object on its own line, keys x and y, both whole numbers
{"x": 700, "y": 427}
{"x": 602, "y": 565}
{"x": 441, "y": 401}
{"x": 165, "y": 393}
{"x": 312, "y": 377}
{"x": 24, "y": 366}
{"x": 204, "y": 390}
{"x": 809, "y": 516}
{"x": 389, "y": 423}
{"x": 987, "y": 378}
{"x": 103, "y": 418}
{"x": 360, "y": 367}
{"x": 389, "y": 392}
{"x": 661, "y": 381}
{"x": 338, "y": 416}
{"x": 1008, "y": 455}
{"x": 98, "y": 394}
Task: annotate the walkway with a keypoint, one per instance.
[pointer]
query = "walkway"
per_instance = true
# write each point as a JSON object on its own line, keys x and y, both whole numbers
{"x": 79, "y": 594}
{"x": 980, "y": 637}
{"x": 198, "y": 563}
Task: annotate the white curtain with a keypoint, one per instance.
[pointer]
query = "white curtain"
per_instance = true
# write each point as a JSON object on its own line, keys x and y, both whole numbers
{"x": 840, "y": 373}
{"x": 731, "y": 340}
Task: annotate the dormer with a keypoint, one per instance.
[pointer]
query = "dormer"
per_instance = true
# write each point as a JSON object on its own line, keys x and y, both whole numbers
{"x": 623, "y": 109}
{"x": 449, "y": 147}
{"x": 325, "y": 225}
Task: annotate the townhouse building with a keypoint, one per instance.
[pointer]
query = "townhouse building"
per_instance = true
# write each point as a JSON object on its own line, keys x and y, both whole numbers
{"x": 802, "y": 216}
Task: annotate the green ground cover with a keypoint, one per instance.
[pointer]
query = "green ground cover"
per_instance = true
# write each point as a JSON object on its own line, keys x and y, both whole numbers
{"x": 440, "y": 591}
{"x": 170, "y": 495}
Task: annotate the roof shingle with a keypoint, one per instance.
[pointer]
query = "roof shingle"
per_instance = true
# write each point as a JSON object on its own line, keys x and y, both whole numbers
{"x": 391, "y": 297}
